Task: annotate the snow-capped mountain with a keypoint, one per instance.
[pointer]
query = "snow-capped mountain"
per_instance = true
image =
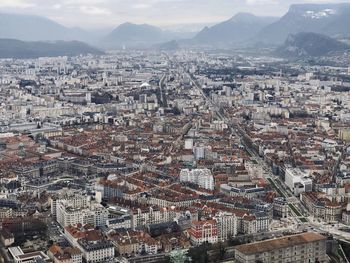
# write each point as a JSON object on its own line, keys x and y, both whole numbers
{"x": 329, "y": 19}
{"x": 320, "y": 14}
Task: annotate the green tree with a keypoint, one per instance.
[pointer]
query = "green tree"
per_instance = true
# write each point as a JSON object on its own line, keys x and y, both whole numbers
{"x": 200, "y": 254}
{"x": 179, "y": 256}
{"x": 222, "y": 251}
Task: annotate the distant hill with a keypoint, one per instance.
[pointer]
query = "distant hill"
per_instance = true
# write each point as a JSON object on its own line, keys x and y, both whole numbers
{"x": 11, "y": 48}
{"x": 128, "y": 32}
{"x": 329, "y": 19}
{"x": 134, "y": 35}
{"x": 141, "y": 36}
{"x": 238, "y": 29}
{"x": 306, "y": 45}
{"x": 37, "y": 28}
{"x": 168, "y": 46}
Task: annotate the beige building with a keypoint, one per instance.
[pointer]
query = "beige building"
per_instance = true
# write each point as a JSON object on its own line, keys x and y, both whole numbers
{"x": 5, "y": 212}
{"x": 127, "y": 247}
{"x": 6, "y": 237}
{"x": 344, "y": 134}
{"x": 300, "y": 248}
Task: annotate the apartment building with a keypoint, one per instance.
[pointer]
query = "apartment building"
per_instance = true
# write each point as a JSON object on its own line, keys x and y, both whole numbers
{"x": 300, "y": 248}
{"x": 226, "y": 225}
{"x": 75, "y": 201}
{"x": 96, "y": 250}
{"x": 201, "y": 177}
{"x": 70, "y": 214}
{"x": 203, "y": 231}
{"x": 321, "y": 207}
{"x": 151, "y": 215}
{"x": 280, "y": 207}
{"x": 65, "y": 255}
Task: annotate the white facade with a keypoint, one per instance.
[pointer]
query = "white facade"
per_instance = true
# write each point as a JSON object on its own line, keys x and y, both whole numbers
{"x": 189, "y": 144}
{"x": 96, "y": 251}
{"x": 71, "y": 213}
{"x": 227, "y": 225}
{"x": 200, "y": 177}
{"x": 298, "y": 181}
{"x": 75, "y": 201}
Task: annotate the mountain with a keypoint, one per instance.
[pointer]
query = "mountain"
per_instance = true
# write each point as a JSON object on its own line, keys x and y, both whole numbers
{"x": 142, "y": 36}
{"x": 134, "y": 35}
{"x": 329, "y": 19}
{"x": 238, "y": 29}
{"x": 129, "y": 32}
{"x": 12, "y": 48}
{"x": 37, "y": 28}
{"x": 168, "y": 46}
{"x": 306, "y": 45}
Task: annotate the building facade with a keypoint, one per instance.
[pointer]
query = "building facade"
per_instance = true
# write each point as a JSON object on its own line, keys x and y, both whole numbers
{"x": 305, "y": 247}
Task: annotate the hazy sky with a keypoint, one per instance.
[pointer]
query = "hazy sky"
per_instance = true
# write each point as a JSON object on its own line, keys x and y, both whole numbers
{"x": 109, "y": 13}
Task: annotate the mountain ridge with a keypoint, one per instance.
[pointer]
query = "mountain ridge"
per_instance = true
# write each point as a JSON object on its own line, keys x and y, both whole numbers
{"x": 239, "y": 28}
{"x": 13, "y": 48}
{"x": 309, "y": 45}
{"x": 329, "y": 19}
{"x": 37, "y": 28}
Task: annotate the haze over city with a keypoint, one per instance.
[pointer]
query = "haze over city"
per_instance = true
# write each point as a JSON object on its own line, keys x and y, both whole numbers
{"x": 174, "y": 131}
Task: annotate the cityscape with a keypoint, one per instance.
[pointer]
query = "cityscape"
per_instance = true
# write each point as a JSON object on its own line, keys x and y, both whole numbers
{"x": 216, "y": 142}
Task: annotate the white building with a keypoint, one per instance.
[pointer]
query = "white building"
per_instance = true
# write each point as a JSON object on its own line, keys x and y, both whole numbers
{"x": 70, "y": 213}
{"x": 201, "y": 177}
{"x": 75, "y": 201}
{"x": 226, "y": 225}
{"x": 298, "y": 181}
{"x": 20, "y": 257}
{"x": 96, "y": 251}
{"x": 189, "y": 144}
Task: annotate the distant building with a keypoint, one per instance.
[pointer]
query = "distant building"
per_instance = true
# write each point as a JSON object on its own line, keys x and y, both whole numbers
{"x": 305, "y": 247}
{"x": 252, "y": 224}
{"x": 96, "y": 250}
{"x": 5, "y": 212}
{"x": 298, "y": 181}
{"x": 346, "y": 217}
{"x": 201, "y": 177}
{"x": 321, "y": 207}
{"x": 6, "y": 237}
{"x": 65, "y": 255}
{"x": 73, "y": 211}
{"x": 204, "y": 231}
{"x": 20, "y": 257}
{"x": 152, "y": 215}
{"x": 280, "y": 207}
{"x": 252, "y": 191}
{"x": 91, "y": 242}
{"x": 120, "y": 222}
{"x": 226, "y": 225}
{"x": 130, "y": 243}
